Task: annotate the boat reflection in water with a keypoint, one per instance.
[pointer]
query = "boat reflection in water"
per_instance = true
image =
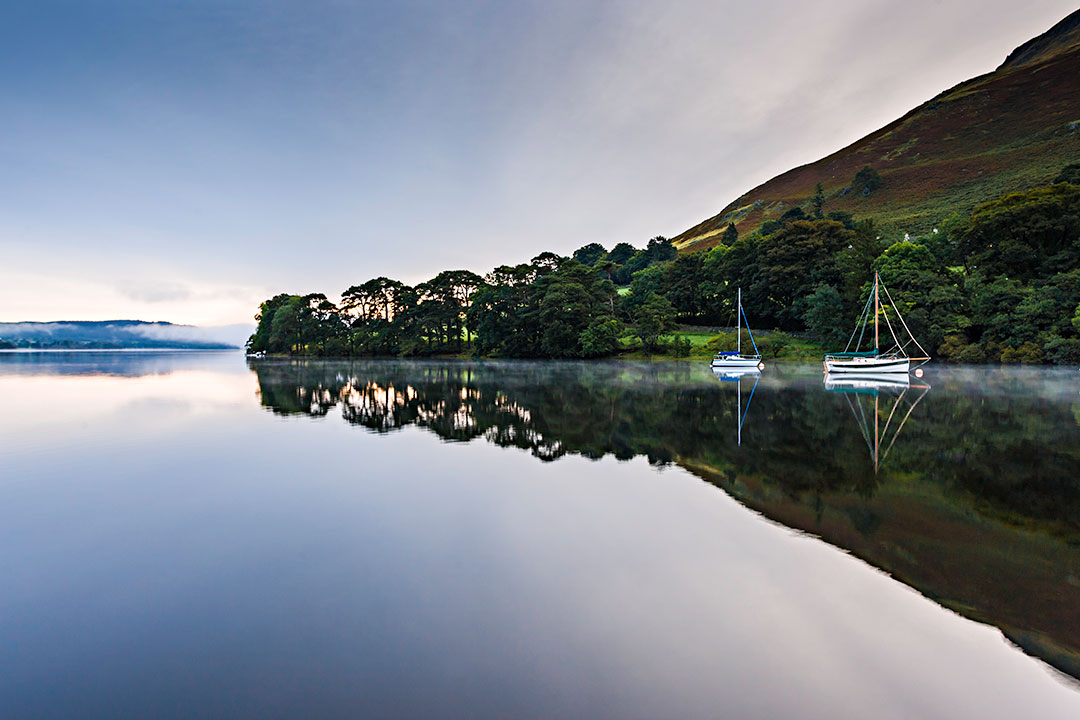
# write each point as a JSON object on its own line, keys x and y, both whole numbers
{"x": 864, "y": 392}
{"x": 977, "y": 507}
{"x": 736, "y": 375}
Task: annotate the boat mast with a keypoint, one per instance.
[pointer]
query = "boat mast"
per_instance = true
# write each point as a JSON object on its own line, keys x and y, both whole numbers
{"x": 876, "y": 311}
{"x": 738, "y": 325}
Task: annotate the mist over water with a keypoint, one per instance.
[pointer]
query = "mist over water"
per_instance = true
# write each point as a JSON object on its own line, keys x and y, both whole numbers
{"x": 187, "y": 534}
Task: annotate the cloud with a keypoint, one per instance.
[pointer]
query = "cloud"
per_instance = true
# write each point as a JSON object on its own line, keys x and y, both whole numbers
{"x": 208, "y": 158}
{"x": 156, "y": 292}
{"x": 73, "y": 289}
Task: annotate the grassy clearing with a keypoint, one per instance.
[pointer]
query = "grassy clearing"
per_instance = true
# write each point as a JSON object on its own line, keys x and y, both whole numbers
{"x": 773, "y": 345}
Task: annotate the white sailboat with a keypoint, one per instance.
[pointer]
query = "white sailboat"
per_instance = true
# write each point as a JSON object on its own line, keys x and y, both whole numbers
{"x": 736, "y": 359}
{"x": 895, "y": 359}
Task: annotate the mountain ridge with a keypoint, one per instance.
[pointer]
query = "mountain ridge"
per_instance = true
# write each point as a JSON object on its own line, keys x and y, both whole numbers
{"x": 115, "y": 335}
{"x": 968, "y": 144}
{"x": 1062, "y": 36}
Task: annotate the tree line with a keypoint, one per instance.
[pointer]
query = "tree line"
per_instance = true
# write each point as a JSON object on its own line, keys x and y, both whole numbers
{"x": 1001, "y": 284}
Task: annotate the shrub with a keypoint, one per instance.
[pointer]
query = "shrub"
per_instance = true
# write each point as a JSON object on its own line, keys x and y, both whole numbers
{"x": 773, "y": 344}
{"x": 601, "y": 337}
{"x": 866, "y": 180}
{"x": 1062, "y": 351}
{"x": 680, "y": 346}
{"x": 952, "y": 348}
{"x": 1028, "y": 353}
{"x": 722, "y": 341}
{"x": 1069, "y": 174}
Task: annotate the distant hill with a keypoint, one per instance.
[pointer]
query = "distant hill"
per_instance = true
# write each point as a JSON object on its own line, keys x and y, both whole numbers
{"x": 115, "y": 335}
{"x": 1008, "y": 130}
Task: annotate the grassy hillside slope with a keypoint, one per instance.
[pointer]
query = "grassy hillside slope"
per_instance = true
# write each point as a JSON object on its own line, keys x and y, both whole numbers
{"x": 1009, "y": 130}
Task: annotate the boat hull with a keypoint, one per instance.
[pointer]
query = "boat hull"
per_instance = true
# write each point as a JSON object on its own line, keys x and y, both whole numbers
{"x": 736, "y": 363}
{"x": 854, "y": 382}
{"x": 735, "y": 373}
{"x": 868, "y": 366}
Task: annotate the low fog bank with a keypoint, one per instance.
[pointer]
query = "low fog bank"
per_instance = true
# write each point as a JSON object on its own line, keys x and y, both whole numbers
{"x": 234, "y": 335}
{"x": 120, "y": 334}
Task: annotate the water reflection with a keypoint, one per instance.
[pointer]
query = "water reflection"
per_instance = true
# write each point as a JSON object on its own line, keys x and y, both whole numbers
{"x": 119, "y": 363}
{"x": 736, "y": 375}
{"x": 879, "y": 437}
{"x": 968, "y": 493}
{"x": 170, "y": 547}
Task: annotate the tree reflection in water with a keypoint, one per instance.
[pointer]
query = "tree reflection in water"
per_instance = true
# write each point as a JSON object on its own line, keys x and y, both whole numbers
{"x": 970, "y": 494}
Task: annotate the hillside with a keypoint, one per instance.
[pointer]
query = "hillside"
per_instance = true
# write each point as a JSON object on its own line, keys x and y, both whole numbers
{"x": 1008, "y": 130}
{"x": 110, "y": 335}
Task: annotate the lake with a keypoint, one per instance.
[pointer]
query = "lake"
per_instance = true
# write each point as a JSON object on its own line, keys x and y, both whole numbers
{"x": 197, "y": 535}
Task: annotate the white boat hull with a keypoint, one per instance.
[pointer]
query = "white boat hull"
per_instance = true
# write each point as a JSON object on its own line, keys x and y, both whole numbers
{"x": 735, "y": 373}
{"x": 736, "y": 363}
{"x": 872, "y": 366}
{"x": 867, "y": 381}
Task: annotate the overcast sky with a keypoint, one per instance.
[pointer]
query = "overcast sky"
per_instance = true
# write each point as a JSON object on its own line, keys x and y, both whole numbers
{"x": 184, "y": 160}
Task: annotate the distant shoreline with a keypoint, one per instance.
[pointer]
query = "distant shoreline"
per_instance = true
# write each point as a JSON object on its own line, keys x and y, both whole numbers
{"x": 24, "y": 351}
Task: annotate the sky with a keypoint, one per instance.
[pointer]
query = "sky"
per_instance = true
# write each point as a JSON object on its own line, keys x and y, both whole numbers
{"x": 183, "y": 161}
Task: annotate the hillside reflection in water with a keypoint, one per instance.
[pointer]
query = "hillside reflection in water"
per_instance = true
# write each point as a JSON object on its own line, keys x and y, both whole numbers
{"x": 963, "y": 484}
{"x": 194, "y": 535}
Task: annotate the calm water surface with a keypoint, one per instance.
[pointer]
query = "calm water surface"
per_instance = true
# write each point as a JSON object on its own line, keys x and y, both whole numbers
{"x": 191, "y": 535}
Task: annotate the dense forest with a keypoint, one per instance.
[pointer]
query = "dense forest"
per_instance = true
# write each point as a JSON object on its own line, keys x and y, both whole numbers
{"x": 999, "y": 285}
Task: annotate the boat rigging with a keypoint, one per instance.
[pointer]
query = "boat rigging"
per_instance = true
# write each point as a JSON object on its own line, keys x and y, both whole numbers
{"x": 895, "y": 359}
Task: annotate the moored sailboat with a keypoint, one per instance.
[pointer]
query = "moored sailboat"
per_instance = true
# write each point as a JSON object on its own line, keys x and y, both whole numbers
{"x": 894, "y": 359}
{"x": 736, "y": 359}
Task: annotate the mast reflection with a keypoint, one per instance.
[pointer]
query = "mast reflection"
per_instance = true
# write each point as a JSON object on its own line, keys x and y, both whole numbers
{"x": 736, "y": 375}
{"x": 864, "y": 396}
